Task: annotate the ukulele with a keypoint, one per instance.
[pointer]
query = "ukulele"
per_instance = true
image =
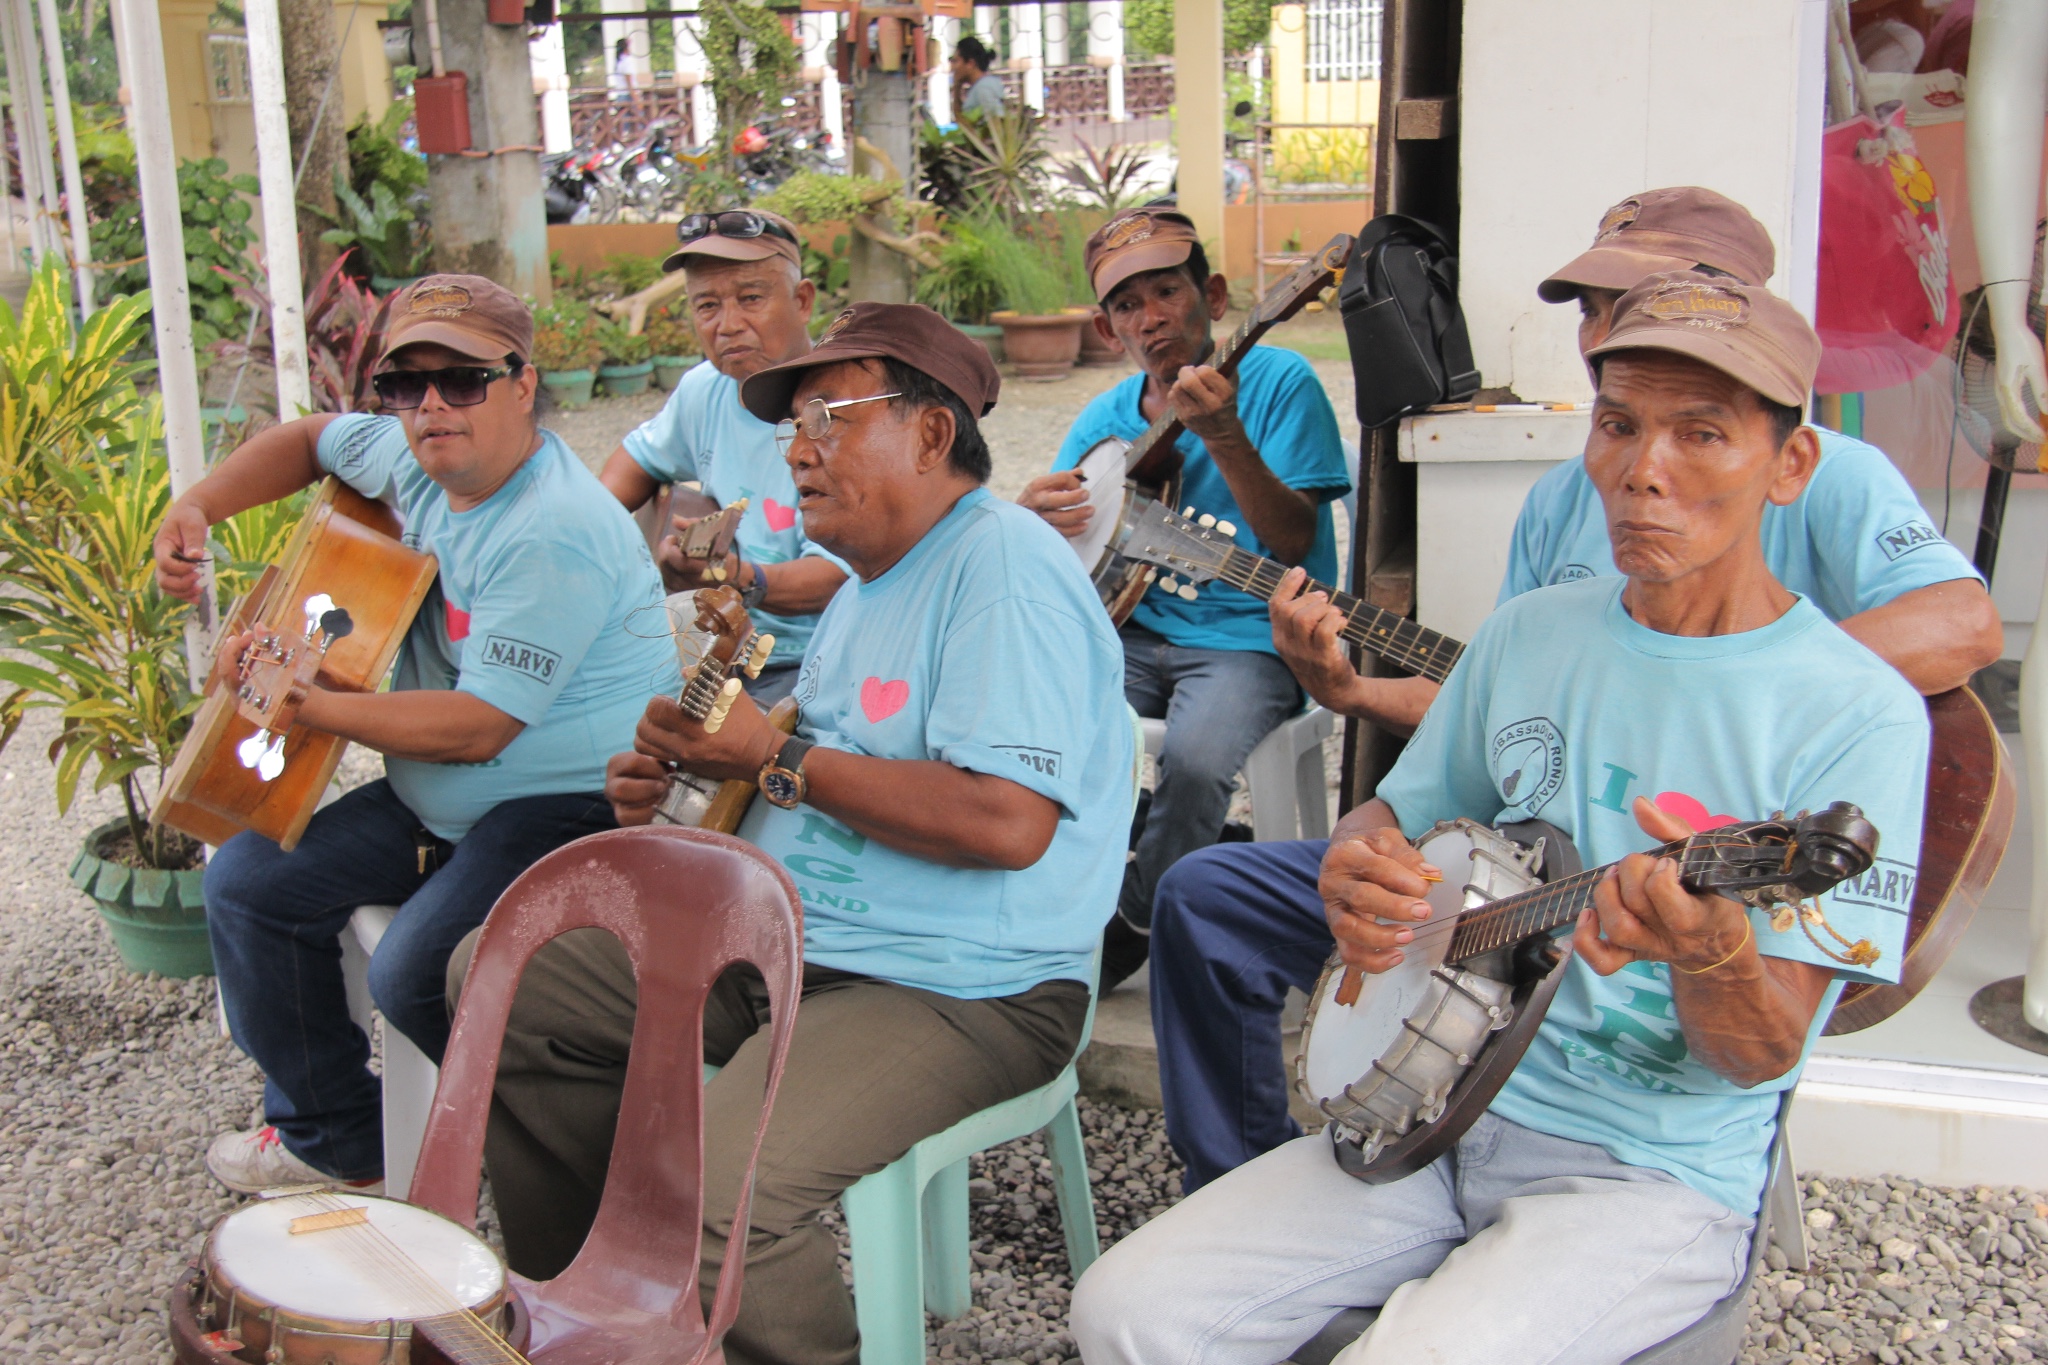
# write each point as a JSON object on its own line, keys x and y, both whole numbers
{"x": 1966, "y": 821}
{"x": 1120, "y": 475}
{"x": 1404, "y": 1061}
{"x": 331, "y": 612}
{"x": 731, "y": 649}
{"x": 709, "y": 537}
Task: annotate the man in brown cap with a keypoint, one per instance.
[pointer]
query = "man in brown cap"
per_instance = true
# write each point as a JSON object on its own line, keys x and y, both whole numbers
{"x": 746, "y": 295}
{"x": 951, "y": 808}
{"x": 1606, "y": 1198}
{"x": 520, "y": 676}
{"x": 1261, "y": 451}
{"x": 1235, "y": 927}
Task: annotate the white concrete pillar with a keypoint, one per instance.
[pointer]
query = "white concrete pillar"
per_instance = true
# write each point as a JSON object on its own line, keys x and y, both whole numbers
{"x": 25, "y": 91}
{"x": 986, "y": 18}
{"x": 1198, "y": 133}
{"x": 1106, "y": 49}
{"x": 1058, "y": 41}
{"x": 550, "y": 59}
{"x": 694, "y": 73}
{"x": 635, "y": 69}
{"x": 275, "y": 174}
{"x": 67, "y": 149}
{"x": 1027, "y": 51}
{"x": 945, "y": 34}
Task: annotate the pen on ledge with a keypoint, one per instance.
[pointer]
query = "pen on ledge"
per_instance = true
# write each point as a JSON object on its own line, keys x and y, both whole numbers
{"x": 1532, "y": 407}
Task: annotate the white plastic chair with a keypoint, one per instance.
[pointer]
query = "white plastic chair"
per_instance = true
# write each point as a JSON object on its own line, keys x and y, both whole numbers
{"x": 1290, "y": 797}
{"x": 409, "y": 1078}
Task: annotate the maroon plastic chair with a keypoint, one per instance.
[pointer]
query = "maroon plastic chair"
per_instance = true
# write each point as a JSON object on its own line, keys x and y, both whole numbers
{"x": 686, "y": 904}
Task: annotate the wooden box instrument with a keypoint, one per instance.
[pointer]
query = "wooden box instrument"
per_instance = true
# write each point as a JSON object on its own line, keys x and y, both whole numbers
{"x": 333, "y": 612}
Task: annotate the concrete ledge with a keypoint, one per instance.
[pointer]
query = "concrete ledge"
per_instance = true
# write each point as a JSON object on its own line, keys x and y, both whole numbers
{"x": 1947, "y": 1125}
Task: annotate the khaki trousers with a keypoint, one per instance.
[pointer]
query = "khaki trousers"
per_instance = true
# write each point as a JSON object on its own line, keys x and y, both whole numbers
{"x": 873, "y": 1068}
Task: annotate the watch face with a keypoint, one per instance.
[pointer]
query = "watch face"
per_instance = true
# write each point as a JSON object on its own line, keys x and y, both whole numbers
{"x": 782, "y": 788}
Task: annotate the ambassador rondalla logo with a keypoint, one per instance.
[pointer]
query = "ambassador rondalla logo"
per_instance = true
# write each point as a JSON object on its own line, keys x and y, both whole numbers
{"x": 535, "y": 662}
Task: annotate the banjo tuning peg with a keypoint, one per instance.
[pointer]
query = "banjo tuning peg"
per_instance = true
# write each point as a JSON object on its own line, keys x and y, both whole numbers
{"x": 1227, "y": 529}
{"x": 1187, "y": 592}
{"x": 1188, "y": 511}
{"x": 1205, "y": 521}
{"x": 764, "y": 645}
{"x": 715, "y": 721}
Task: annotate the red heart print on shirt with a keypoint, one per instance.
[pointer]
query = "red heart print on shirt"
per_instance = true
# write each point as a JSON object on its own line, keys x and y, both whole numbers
{"x": 458, "y": 620}
{"x": 778, "y": 517}
{"x": 1691, "y": 810}
{"x": 880, "y": 700}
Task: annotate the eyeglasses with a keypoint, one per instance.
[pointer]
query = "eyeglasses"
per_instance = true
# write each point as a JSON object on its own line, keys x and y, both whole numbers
{"x": 815, "y": 418}
{"x": 738, "y": 223}
{"x": 460, "y": 386}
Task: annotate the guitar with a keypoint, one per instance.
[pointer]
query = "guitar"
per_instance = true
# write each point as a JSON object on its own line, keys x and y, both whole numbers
{"x": 1967, "y": 818}
{"x": 1118, "y": 475}
{"x": 1403, "y": 1069}
{"x": 729, "y": 648}
{"x": 332, "y": 611}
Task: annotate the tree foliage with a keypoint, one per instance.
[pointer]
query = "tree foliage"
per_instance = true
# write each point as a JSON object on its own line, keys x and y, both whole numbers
{"x": 752, "y": 60}
{"x": 1148, "y": 26}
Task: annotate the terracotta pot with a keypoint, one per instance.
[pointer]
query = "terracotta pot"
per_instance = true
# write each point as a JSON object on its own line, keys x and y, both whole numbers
{"x": 1096, "y": 351}
{"x": 1042, "y": 345}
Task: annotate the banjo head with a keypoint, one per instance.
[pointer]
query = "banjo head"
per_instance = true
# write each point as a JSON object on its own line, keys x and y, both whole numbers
{"x": 348, "y": 1280}
{"x": 1102, "y": 472}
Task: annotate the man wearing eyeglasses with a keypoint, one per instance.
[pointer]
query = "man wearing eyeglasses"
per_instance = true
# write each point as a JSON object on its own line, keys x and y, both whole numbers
{"x": 951, "y": 810}
{"x": 526, "y": 668}
{"x": 750, "y": 303}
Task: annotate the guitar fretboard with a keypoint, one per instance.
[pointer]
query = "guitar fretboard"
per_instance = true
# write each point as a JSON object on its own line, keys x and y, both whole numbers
{"x": 465, "y": 1340}
{"x": 1396, "y": 639}
{"x": 1556, "y": 904}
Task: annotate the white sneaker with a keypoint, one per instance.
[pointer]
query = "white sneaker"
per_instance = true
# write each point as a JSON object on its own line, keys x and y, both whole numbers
{"x": 258, "y": 1160}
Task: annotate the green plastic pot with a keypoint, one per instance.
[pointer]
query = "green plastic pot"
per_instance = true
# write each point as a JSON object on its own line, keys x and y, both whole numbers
{"x": 158, "y": 919}
{"x": 391, "y": 284}
{"x": 571, "y": 388}
{"x": 623, "y": 381}
{"x": 670, "y": 369}
{"x": 988, "y": 335}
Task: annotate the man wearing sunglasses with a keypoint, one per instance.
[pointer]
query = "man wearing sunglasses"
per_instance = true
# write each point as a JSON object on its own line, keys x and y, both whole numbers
{"x": 526, "y": 668}
{"x": 951, "y": 809}
{"x": 750, "y": 304}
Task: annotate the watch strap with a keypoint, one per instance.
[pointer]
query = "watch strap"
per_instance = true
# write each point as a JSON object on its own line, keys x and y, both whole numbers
{"x": 790, "y": 757}
{"x": 751, "y": 595}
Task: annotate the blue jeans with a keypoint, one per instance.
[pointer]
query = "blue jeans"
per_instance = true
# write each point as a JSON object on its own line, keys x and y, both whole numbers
{"x": 1218, "y": 704}
{"x": 1232, "y": 928}
{"x": 276, "y": 921}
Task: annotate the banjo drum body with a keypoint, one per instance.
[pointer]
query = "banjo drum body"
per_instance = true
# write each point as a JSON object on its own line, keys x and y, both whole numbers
{"x": 345, "y": 1295}
{"x": 1385, "y": 1066}
{"x": 1120, "y": 582}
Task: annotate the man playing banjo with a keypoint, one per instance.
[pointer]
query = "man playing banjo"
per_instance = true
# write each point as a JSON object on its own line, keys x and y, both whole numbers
{"x": 749, "y": 301}
{"x": 1234, "y": 927}
{"x": 521, "y": 674}
{"x": 1261, "y": 451}
{"x": 952, "y": 809}
{"x": 1606, "y": 1198}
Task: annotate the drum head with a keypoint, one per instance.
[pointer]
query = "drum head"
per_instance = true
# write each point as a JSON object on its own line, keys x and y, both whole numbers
{"x": 406, "y": 1264}
{"x": 1345, "y": 1040}
{"x": 1102, "y": 470}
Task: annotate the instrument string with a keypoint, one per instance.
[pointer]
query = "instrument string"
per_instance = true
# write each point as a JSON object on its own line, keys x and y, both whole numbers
{"x": 1425, "y": 652}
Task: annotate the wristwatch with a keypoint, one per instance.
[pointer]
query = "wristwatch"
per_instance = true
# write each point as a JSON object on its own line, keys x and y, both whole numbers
{"x": 751, "y": 595}
{"x": 782, "y": 777}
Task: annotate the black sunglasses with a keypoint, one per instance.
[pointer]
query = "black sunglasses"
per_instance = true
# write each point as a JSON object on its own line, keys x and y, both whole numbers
{"x": 740, "y": 223}
{"x": 460, "y": 386}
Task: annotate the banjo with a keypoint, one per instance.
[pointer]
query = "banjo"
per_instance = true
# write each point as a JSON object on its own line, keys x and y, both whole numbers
{"x": 1119, "y": 475}
{"x": 1402, "y": 1062}
{"x": 332, "y": 1279}
{"x": 719, "y": 648}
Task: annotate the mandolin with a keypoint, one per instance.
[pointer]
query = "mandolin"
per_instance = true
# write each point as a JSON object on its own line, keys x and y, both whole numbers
{"x": 726, "y": 648}
{"x": 1119, "y": 475}
{"x": 708, "y": 537}
{"x": 331, "y": 612}
{"x": 1967, "y": 818}
{"x": 1402, "y": 1062}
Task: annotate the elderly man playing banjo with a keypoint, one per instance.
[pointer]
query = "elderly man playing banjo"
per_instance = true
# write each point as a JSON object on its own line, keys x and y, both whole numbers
{"x": 521, "y": 673}
{"x": 1605, "y": 1199}
{"x": 1261, "y": 450}
{"x": 749, "y": 302}
{"x": 1234, "y": 927}
{"x": 952, "y": 809}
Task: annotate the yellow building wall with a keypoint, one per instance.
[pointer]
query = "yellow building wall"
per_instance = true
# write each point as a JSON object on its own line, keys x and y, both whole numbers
{"x": 1342, "y": 154}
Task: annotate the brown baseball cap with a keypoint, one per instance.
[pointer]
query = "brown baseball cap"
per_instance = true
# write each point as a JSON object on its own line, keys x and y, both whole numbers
{"x": 1683, "y": 228}
{"x": 468, "y": 314}
{"x": 1743, "y": 330}
{"x": 1135, "y": 242}
{"x": 909, "y": 332}
{"x": 711, "y": 242}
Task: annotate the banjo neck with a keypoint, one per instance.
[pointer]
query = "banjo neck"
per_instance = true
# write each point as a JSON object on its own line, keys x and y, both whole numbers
{"x": 1224, "y": 359}
{"x": 1398, "y": 640}
{"x": 465, "y": 1341}
{"x": 1553, "y": 905}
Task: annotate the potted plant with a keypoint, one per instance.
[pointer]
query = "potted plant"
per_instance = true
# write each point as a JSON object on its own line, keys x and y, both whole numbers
{"x": 966, "y": 286}
{"x": 627, "y": 366}
{"x": 1041, "y": 326}
{"x": 673, "y": 342}
{"x": 384, "y": 229}
{"x": 566, "y": 351}
{"x": 83, "y": 486}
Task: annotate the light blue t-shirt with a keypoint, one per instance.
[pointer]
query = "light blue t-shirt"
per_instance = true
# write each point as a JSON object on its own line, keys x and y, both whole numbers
{"x": 983, "y": 647}
{"x": 547, "y": 606}
{"x": 1564, "y": 708}
{"x": 703, "y": 433}
{"x": 1854, "y": 540}
{"x": 1291, "y": 424}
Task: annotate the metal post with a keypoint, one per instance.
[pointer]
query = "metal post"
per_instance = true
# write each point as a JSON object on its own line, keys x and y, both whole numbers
{"x": 280, "y": 211}
{"x": 163, "y": 230}
{"x": 944, "y": 36}
{"x": 7, "y": 198}
{"x": 25, "y": 85}
{"x": 67, "y": 149}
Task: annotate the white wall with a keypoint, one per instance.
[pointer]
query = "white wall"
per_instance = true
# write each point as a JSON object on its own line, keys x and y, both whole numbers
{"x": 1566, "y": 109}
